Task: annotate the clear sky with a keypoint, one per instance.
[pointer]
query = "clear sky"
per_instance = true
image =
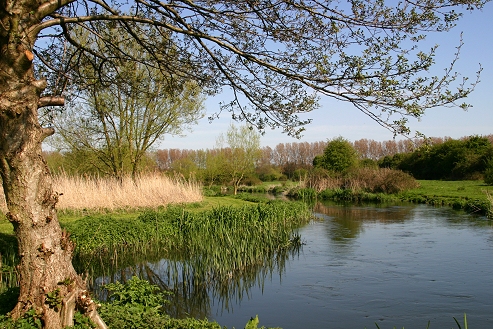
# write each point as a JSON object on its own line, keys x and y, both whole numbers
{"x": 335, "y": 119}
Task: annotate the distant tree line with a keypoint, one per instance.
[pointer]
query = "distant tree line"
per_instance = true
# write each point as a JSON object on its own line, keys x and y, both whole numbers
{"x": 433, "y": 158}
{"x": 465, "y": 159}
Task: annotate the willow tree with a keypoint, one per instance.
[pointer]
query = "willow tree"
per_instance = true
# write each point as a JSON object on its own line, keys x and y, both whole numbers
{"x": 274, "y": 57}
{"x": 124, "y": 108}
{"x": 241, "y": 154}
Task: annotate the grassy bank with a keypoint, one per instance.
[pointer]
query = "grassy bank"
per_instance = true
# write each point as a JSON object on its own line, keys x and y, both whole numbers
{"x": 470, "y": 196}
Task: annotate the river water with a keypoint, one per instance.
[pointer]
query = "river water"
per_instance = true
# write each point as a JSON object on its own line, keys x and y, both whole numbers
{"x": 396, "y": 266}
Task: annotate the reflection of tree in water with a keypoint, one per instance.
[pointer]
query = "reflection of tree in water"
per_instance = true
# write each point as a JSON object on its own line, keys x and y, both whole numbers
{"x": 197, "y": 283}
{"x": 347, "y": 220}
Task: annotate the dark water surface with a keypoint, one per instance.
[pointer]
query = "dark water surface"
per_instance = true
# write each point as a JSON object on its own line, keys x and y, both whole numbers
{"x": 396, "y": 266}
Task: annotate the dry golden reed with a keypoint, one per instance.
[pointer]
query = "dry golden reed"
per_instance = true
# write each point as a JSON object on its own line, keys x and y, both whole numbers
{"x": 97, "y": 193}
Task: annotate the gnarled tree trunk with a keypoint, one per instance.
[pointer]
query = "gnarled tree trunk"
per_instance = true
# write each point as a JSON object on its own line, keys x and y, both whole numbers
{"x": 48, "y": 281}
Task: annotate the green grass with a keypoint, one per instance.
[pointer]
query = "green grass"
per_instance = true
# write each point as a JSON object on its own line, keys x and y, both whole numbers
{"x": 452, "y": 189}
{"x": 470, "y": 196}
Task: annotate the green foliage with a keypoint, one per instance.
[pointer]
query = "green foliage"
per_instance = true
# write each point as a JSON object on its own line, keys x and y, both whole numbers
{"x": 137, "y": 304}
{"x": 488, "y": 173}
{"x": 306, "y": 194}
{"x": 368, "y": 163}
{"x": 54, "y": 299}
{"x": 82, "y": 322}
{"x": 136, "y": 291}
{"x": 268, "y": 173}
{"x": 262, "y": 228}
{"x": 252, "y": 323}
{"x": 451, "y": 160}
{"x": 30, "y": 320}
{"x": 339, "y": 156}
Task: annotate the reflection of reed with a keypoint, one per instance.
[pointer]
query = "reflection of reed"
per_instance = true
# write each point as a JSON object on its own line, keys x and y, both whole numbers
{"x": 196, "y": 285}
{"x": 219, "y": 256}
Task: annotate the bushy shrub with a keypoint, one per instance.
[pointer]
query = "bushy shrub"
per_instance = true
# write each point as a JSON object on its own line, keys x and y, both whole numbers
{"x": 339, "y": 156}
{"x": 382, "y": 180}
{"x": 252, "y": 180}
{"x": 488, "y": 173}
{"x": 379, "y": 180}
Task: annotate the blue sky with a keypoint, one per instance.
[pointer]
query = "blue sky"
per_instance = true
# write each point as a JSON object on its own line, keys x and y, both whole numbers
{"x": 335, "y": 119}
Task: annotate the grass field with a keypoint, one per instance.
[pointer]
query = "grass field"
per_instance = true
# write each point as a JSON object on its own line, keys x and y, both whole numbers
{"x": 452, "y": 189}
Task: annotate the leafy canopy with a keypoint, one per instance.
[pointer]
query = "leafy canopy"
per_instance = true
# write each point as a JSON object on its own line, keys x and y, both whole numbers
{"x": 276, "y": 58}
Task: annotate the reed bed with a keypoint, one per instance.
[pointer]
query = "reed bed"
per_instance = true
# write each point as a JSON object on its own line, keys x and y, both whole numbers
{"x": 104, "y": 193}
{"x": 212, "y": 246}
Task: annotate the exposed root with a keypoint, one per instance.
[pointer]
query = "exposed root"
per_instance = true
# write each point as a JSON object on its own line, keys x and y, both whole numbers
{"x": 89, "y": 308}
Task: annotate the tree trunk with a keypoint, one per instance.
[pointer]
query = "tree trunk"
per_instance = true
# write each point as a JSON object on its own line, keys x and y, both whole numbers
{"x": 48, "y": 281}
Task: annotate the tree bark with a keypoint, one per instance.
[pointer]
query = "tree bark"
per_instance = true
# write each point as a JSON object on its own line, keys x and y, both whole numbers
{"x": 48, "y": 281}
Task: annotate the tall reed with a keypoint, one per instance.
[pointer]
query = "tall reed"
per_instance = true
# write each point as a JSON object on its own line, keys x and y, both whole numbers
{"x": 98, "y": 193}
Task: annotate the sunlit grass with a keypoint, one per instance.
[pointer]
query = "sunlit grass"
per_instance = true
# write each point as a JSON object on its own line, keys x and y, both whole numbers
{"x": 454, "y": 189}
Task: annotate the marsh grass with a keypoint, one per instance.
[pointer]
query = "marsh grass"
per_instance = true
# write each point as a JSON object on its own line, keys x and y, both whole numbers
{"x": 225, "y": 249}
{"x": 103, "y": 193}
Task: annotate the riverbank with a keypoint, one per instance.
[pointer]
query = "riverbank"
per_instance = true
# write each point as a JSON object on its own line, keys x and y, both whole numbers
{"x": 471, "y": 196}
{"x": 220, "y": 242}
{"x": 119, "y": 236}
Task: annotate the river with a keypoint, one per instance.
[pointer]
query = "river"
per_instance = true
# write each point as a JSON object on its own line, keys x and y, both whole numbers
{"x": 397, "y": 266}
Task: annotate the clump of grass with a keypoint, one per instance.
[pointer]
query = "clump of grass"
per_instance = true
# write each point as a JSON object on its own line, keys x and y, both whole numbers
{"x": 224, "y": 239}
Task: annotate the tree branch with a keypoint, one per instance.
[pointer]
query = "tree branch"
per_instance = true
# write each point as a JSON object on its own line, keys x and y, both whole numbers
{"x": 51, "y": 101}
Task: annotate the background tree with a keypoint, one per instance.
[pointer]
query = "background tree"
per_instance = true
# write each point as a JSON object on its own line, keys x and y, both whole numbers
{"x": 339, "y": 156}
{"x": 452, "y": 159}
{"x": 242, "y": 153}
{"x": 275, "y": 57}
{"x": 124, "y": 109}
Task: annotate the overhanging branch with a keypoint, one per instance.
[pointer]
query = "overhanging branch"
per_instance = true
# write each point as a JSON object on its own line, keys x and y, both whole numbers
{"x": 51, "y": 101}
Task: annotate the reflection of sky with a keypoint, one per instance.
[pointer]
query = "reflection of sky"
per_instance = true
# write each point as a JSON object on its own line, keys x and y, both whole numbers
{"x": 335, "y": 119}
{"x": 429, "y": 264}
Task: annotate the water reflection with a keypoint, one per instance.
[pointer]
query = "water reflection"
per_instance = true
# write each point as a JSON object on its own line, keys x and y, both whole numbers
{"x": 347, "y": 221}
{"x": 392, "y": 265}
{"x": 195, "y": 288}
